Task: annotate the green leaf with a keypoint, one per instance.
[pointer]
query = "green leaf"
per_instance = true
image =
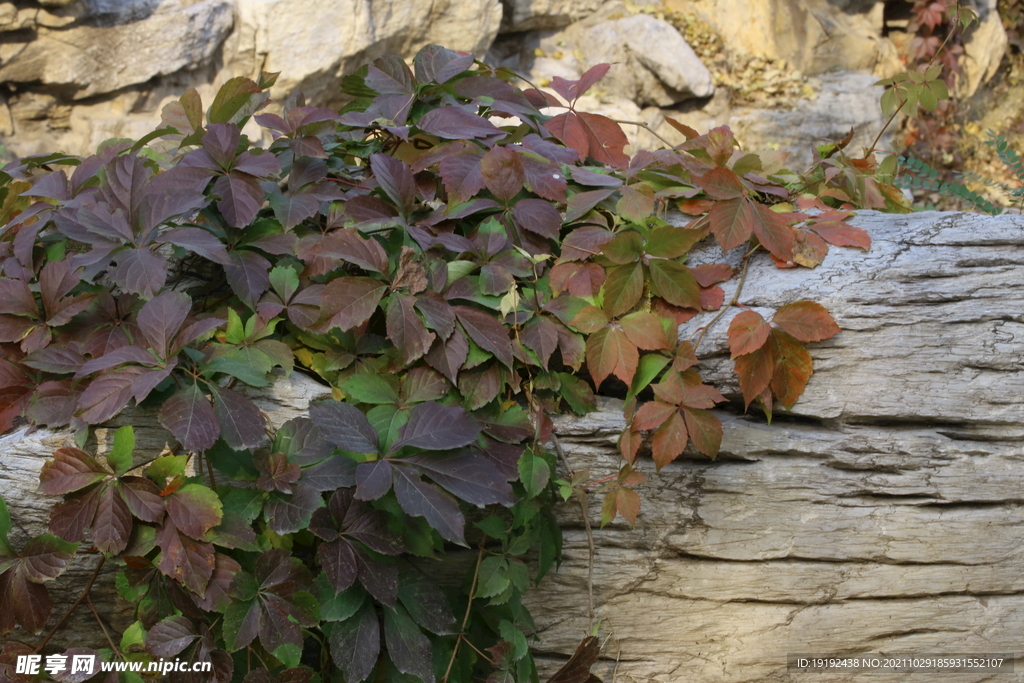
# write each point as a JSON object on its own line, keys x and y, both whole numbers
{"x": 5, "y": 528}
{"x": 492, "y": 578}
{"x": 288, "y": 654}
{"x": 134, "y": 638}
{"x": 533, "y": 472}
{"x": 648, "y": 369}
{"x": 166, "y": 467}
{"x": 516, "y": 637}
{"x": 285, "y": 282}
{"x": 337, "y": 606}
{"x": 370, "y": 387}
{"x": 120, "y": 455}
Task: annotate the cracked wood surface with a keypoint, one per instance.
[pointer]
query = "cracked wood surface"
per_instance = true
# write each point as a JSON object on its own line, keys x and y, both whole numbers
{"x": 884, "y": 515}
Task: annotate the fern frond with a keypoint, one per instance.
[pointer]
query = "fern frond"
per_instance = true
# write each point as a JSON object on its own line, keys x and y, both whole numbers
{"x": 920, "y": 175}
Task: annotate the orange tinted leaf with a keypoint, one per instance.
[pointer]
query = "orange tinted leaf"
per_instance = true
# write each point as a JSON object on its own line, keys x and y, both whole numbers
{"x": 732, "y": 222}
{"x": 669, "y": 441}
{"x": 747, "y": 332}
{"x": 652, "y": 414}
{"x": 688, "y": 133}
{"x": 609, "y": 352}
{"x": 721, "y": 183}
{"x": 754, "y": 371}
{"x": 712, "y": 273}
{"x": 809, "y": 250}
{"x": 645, "y": 331}
{"x": 773, "y": 232}
{"x": 629, "y": 444}
{"x": 833, "y": 228}
{"x": 793, "y": 367}
{"x": 590, "y": 319}
{"x": 712, "y": 298}
{"x": 807, "y": 321}
{"x": 700, "y": 396}
{"x": 627, "y": 502}
{"x": 686, "y": 356}
{"x": 694, "y": 207}
{"x": 670, "y": 388}
{"x": 675, "y": 313}
{"x": 623, "y": 288}
{"x": 583, "y": 280}
{"x": 705, "y": 431}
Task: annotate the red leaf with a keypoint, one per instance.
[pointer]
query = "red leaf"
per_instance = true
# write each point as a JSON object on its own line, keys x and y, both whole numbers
{"x": 629, "y": 444}
{"x": 773, "y": 232}
{"x": 568, "y": 128}
{"x": 833, "y": 228}
{"x": 807, "y": 321}
{"x": 240, "y": 198}
{"x": 652, "y": 415}
{"x": 732, "y": 222}
{"x": 348, "y": 302}
{"x": 609, "y": 352}
{"x": 669, "y": 440}
{"x": 721, "y": 183}
{"x": 191, "y": 419}
{"x": 754, "y": 371}
{"x": 748, "y": 332}
{"x": 113, "y": 522}
{"x": 70, "y": 470}
{"x": 705, "y": 431}
{"x": 503, "y": 172}
{"x": 350, "y": 246}
{"x": 793, "y": 367}
{"x": 645, "y": 331}
{"x": 712, "y": 273}
{"x": 583, "y": 243}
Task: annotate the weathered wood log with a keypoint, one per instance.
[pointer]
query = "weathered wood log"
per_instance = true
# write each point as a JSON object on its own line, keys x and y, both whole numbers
{"x": 884, "y": 513}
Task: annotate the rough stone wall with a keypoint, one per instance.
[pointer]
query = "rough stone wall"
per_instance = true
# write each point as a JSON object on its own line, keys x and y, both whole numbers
{"x": 77, "y": 72}
{"x": 883, "y": 514}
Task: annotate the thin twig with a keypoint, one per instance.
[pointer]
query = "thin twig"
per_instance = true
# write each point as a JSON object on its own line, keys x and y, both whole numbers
{"x": 646, "y": 127}
{"x": 469, "y": 607}
{"x": 477, "y": 650}
{"x": 582, "y": 498}
{"x": 85, "y": 592}
{"x": 103, "y": 627}
{"x": 732, "y": 302}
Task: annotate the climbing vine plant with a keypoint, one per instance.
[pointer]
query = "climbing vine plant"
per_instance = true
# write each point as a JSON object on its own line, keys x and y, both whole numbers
{"x": 457, "y": 259}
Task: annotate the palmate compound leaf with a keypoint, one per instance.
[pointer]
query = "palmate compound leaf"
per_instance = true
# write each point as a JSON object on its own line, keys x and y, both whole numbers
{"x": 22, "y": 598}
{"x": 610, "y": 352}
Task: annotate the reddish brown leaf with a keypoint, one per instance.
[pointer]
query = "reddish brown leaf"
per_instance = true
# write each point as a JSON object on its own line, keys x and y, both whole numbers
{"x": 538, "y": 216}
{"x": 627, "y": 503}
{"x": 669, "y": 440}
{"x": 112, "y": 524}
{"x": 773, "y": 232}
{"x": 645, "y": 331}
{"x": 652, "y": 415}
{"x": 748, "y": 332}
{"x": 70, "y": 470}
{"x": 487, "y": 331}
{"x": 712, "y": 273}
{"x": 583, "y": 280}
{"x": 577, "y": 669}
{"x": 606, "y": 139}
{"x": 793, "y": 367}
{"x": 623, "y": 289}
{"x": 568, "y": 128}
{"x": 809, "y": 250}
{"x": 609, "y": 352}
{"x": 754, "y": 371}
{"x": 503, "y": 172}
{"x": 807, "y": 321}
{"x": 405, "y": 329}
{"x": 705, "y": 431}
{"x": 732, "y": 222}
{"x": 833, "y": 228}
{"x": 629, "y": 444}
{"x": 348, "y": 302}
{"x": 721, "y": 183}
{"x": 448, "y": 356}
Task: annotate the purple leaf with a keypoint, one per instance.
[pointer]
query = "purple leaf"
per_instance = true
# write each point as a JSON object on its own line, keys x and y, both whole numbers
{"x": 380, "y": 580}
{"x": 184, "y": 559}
{"x": 142, "y": 497}
{"x": 331, "y": 474}
{"x": 302, "y": 442}
{"x": 348, "y": 245}
{"x": 339, "y": 562}
{"x": 467, "y": 474}
{"x": 161, "y": 318}
{"x": 194, "y": 509}
{"x": 348, "y": 302}
{"x": 487, "y": 332}
{"x": 107, "y": 395}
{"x": 70, "y": 518}
{"x": 439, "y": 64}
{"x": 373, "y": 479}
{"x": 455, "y": 123}
{"x": 408, "y": 648}
{"x": 448, "y": 356}
{"x": 503, "y": 172}
{"x": 191, "y": 419}
{"x": 405, "y": 329}
{"x": 355, "y": 644}
{"x": 291, "y": 211}
{"x": 420, "y": 499}
{"x": 260, "y": 164}
{"x": 198, "y": 241}
{"x": 140, "y": 271}
{"x": 426, "y": 604}
{"x": 287, "y": 514}
{"x": 247, "y": 275}
{"x": 221, "y": 143}
{"x": 345, "y": 426}
{"x": 242, "y": 424}
{"x": 241, "y": 198}
{"x": 544, "y": 177}
{"x": 435, "y": 427}
{"x": 390, "y": 76}
{"x": 538, "y": 216}
{"x": 438, "y": 313}
{"x": 461, "y": 175}
{"x": 112, "y": 524}
{"x": 170, "y": 636}
{"x": 396, "y": 179}
{"x": 45, "y": 557}
{"x": 305, "y": 171}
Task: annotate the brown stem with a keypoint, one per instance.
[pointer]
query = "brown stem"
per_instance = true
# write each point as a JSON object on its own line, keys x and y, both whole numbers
{"x": 732, "y": 302}
{"x": 469, "y": 607}
{"x": 103, "y": 626}
{"x": 477, "y": 650}
{"x": 646, "y": 127}
{"x": 582, "y": 498}
{"x": 85, "y": 593}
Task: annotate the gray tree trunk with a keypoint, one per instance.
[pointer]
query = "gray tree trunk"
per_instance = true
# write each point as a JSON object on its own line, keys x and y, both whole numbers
{"x": 884, "y": 514}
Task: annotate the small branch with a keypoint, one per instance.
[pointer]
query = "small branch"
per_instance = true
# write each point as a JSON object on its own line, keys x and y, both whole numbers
{"x": 83, "y": 596}
{"x": 477, "y": 650}
{"x": 582, "y": 498}
{"x": 469, "y": 607}
{"x": 732, "y": 302}
{"x": 646, "y": 127}
{"x": 103, "y": 627}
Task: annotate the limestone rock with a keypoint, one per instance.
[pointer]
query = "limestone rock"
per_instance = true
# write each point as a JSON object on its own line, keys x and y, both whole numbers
{"x": 984, "y": 46}
{"x": 882, "y": 516}
{"x": 93, "y": 59}
{"x": 529, "y": 15}
{"x": 312, "y": 56}
{"x": 844, "y": 101}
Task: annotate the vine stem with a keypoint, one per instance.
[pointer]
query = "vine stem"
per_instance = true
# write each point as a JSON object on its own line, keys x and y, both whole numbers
{"x": 103, "y": 627}
{"x": 646, "y": 127}
{"x": 732, "y": 302}
{"x": 469, "y": 607}
{"x": 83, "y": 596}
{"x": 584, "y": 507}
